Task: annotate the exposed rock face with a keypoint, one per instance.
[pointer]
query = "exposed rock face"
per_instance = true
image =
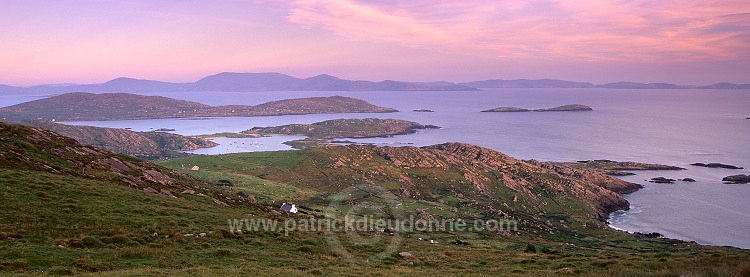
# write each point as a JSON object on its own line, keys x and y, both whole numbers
{"x": 345, "y": 128}
{"x": 717, "y": 165}
{"x": 507, "y": 109}
{"x": 147, "y": 145}
{"x": 81, "y": 106}
{"x": 567, "y": 108}
{"x": 737, "y": 179}
{"x": 489, "y": 181}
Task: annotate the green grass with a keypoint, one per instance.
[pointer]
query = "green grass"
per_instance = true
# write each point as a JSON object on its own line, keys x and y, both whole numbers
{"x": 109, "y": 228}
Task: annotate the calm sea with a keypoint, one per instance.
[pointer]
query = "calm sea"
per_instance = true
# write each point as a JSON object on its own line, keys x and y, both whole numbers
{"x": 675, "y": 127}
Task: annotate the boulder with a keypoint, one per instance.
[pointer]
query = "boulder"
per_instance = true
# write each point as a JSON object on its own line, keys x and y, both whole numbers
{"x": 662, "y": 180}
{"x": 405, "y": 254}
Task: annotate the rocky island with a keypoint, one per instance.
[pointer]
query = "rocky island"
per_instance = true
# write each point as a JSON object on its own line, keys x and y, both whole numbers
{"x": 124, "y": 106}
{"x": 567, "y": 108}
{"x": 737, "y": 179}
{"x": 507, "y": 109}
{"x": 616, "y": 168}
{"x": 345, "y": 128}
{"x": 322, "y": 132}
{"x": 717, "y": 165}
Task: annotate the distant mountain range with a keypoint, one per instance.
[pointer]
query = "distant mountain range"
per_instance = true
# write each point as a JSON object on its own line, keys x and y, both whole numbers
{"x": 551, "y": 83}
{"x": 239, "y": 82}
{"x": 279, "y": 82}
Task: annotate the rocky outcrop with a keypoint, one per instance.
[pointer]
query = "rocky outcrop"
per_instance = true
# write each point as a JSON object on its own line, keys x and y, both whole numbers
{"x": 717, "y": 165}
{"x": 485, "y": 180}
{"x": 507, "y": 109}
{"x": 737, "y": 179}
{"x": 662, "y": 180}
{"x": 614, "y": 166}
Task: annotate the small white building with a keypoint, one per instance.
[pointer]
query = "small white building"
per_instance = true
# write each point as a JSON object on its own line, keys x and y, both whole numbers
{"x": 289, "y": 208}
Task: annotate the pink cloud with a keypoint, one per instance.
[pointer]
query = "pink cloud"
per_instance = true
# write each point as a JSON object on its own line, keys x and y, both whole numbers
{"x": 588, "y": 30}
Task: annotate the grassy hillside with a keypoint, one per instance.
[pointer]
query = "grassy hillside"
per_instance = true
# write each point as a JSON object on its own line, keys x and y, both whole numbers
{"x": 73, "y": 209}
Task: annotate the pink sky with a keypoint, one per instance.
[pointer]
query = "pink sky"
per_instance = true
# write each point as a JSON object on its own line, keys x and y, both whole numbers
{"x": 90, "y": 41}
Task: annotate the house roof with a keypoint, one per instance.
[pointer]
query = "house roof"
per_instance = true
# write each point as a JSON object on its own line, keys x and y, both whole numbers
{"x": 287, "y": 207}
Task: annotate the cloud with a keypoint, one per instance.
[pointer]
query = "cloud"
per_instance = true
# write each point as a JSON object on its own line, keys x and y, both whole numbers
{"x": 587, "y": 30}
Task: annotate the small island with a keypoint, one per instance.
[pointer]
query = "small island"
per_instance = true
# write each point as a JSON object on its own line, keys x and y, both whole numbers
{"x": 567, "y": 108}
{"x": 164, "y": 130}
{"x": 324, "y": 132}
{"x": 506, "y": 110}
{"x": 662, "y": 180}
{"x": 345, "y": 128}
{"x": 717, "y": 165}
{"x": 615, "y": 168}
{"x": 737, "y": 179}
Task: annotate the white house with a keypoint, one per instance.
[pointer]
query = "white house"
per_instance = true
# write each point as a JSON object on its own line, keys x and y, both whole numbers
{"x": 289, "y": 208}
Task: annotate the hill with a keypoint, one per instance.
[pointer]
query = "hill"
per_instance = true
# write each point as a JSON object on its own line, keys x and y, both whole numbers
{"x": 73, "y": 209}
{"x": 124, "y": 106}
{"x": 144, "y": 145}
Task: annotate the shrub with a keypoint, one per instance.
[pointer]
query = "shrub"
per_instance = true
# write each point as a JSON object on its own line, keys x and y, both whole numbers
{"x": 530, "y": 248}
{"x": 224, "y": 251}
{"x": 88, "y": 264}
{"x": 19, "y": 264}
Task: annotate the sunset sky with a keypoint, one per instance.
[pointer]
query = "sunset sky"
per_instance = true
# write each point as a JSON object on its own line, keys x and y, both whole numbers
{"x": 599, "y": 41}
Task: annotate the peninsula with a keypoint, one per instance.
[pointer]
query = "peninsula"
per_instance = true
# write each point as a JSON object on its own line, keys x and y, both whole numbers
{"x": 143, "y": 145}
